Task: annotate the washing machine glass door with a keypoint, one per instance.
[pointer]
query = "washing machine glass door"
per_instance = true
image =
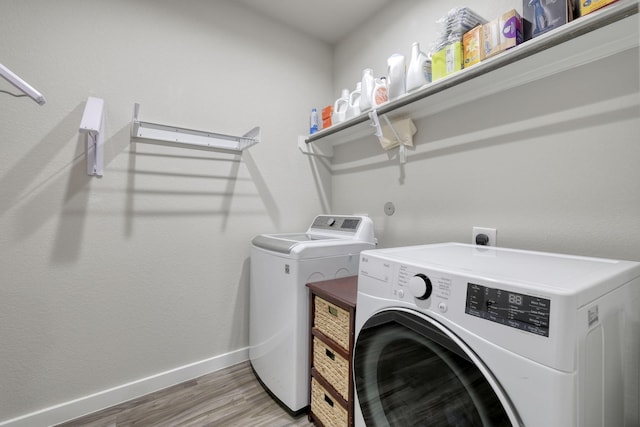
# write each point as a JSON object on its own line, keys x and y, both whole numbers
{"x": 410, "y": 371}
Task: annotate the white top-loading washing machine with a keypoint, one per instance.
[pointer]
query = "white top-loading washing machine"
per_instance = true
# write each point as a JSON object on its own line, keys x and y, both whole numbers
{"x": 281, "y": 266}
{"x": 454, "y": 334}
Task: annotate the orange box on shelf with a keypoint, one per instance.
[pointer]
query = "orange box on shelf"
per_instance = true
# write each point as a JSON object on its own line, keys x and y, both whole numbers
{"x": 326, "y": 112}
{"x": 472, "y": 52}
{"x": 326, "y": 116}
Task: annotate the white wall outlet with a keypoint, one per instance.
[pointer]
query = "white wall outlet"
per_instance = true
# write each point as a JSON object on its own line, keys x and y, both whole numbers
{"x": 491, "y": 233}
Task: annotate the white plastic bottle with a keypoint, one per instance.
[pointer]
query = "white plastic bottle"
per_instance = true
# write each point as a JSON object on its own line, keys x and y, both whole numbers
{"x": 417, "y": 72}
{"x": 354, "y": 101}
{"x": 314, "y": 121}
{"x": 340, "y": 108}
{"x": 366, "y": 90}
{"x": 396, "y": 85}
{"x": 380, "y": 95}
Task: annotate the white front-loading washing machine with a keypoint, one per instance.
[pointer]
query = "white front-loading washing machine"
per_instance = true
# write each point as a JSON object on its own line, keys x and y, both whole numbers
{"x": 464, "y": 335}
{"x": 281, "y": 266}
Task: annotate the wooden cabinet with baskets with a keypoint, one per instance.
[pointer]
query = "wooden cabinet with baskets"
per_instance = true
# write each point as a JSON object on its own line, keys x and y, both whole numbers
{"x": 333, "y": 305}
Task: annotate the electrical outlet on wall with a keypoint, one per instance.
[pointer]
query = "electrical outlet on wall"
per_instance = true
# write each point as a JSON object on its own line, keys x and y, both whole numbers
{"x": 490, "y": 233}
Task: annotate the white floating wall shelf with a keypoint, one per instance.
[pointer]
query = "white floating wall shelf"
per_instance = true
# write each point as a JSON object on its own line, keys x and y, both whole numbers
{"x": 93, "y": 125}
{"x": 191, "y": 138}
{"x": 599, "y": 35}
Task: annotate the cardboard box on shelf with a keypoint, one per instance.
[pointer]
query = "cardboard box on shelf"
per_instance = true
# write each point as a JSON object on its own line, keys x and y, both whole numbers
{"x": 585, "y": 7}
{"x": 502, "y": 33}
{"x": 510, "y": 29}
{"x": 326, "y": 116}
{"x": 446, "y": 61}
{"x": 327, "y": 111}
{"x": 491, "y": 38}
{"x": 472, "y": 47}
{"x": 540, "y": 16}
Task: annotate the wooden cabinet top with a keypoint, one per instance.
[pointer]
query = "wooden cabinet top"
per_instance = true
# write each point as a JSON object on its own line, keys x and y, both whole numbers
{"x": 343, "y": 290}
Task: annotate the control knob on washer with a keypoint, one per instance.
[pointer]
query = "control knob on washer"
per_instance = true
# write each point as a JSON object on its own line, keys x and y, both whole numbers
{"x": 420, "y": 286}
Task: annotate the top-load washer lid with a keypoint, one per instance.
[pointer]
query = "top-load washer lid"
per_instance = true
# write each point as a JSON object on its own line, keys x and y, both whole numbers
{"x": 324, "y": 231}
{"x": 284, "y": 242}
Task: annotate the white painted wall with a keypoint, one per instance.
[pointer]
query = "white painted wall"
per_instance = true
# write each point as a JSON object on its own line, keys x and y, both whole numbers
{"x": 108, "y": 281}
{"x": 572, "y": 186}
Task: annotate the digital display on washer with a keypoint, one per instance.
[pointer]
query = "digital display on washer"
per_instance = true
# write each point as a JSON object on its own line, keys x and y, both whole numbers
{"x": 512, "y": 309}
{"x": 350, "y": 224}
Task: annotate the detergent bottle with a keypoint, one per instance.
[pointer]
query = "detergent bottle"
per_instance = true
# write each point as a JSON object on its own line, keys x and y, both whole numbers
{"x": 417, "y": 71}
{"x": 367, "y": 84}
{"x": 396, "y": 85}
{"x": 340, "y": 108}
{"x": 354, "y": 101}
{"x": 380, "y": 95}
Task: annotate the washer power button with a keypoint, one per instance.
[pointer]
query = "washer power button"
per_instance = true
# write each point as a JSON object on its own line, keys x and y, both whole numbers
{"x": 443, "y": 307}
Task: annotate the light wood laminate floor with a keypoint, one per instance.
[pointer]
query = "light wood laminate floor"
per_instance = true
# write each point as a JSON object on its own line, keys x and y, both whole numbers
{"x": 229, "y": 397}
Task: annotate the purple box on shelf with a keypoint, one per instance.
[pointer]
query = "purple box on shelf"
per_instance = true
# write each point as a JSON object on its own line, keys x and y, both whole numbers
{"x": 501, "y": 34}
{"x": 511, "y": 30}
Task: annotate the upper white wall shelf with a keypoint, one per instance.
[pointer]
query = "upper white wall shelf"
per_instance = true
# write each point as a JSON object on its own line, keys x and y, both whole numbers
{"x": 603, "y": 33}
{"x": 192, "y": 138}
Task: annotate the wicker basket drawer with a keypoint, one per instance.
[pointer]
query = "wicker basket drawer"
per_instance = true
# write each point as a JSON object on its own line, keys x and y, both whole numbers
{"x": 325, "y": 408}
{"x": 332, "y": 321}
{"x": 333, "y": 367}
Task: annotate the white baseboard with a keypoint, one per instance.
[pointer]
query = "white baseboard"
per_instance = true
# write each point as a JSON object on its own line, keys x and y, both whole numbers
{"x": 104, "y": 399}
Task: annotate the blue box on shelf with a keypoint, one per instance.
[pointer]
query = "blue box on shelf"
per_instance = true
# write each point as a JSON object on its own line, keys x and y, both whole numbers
{"x": 541, "y": 16}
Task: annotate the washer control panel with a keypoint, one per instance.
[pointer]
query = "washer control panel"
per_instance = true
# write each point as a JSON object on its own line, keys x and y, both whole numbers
{"x": 418, "y": 286}
{"x": 340, "y": 223}
{"x": 512, "y": 309}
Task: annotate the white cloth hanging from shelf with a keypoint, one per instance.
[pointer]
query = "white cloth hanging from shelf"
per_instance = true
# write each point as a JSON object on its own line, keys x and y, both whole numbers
{"x": 397, "y": 132}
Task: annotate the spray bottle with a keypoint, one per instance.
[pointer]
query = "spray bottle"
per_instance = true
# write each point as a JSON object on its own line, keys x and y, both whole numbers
{"x": 314, "y": 122}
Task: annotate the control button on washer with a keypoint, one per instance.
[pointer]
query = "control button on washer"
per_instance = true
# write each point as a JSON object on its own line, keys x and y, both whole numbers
{"x": 442, "y": 307}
